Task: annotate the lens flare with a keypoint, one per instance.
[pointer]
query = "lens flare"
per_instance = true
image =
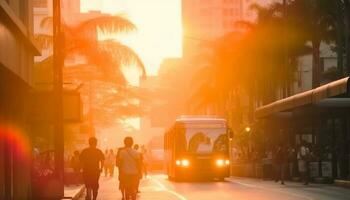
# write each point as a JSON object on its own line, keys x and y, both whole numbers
{"x": 12, "y": 137}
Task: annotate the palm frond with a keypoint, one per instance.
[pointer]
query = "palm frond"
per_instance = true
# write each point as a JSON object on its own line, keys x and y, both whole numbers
{"x": 123, "y": 54}
{"x": 107, "y": 24}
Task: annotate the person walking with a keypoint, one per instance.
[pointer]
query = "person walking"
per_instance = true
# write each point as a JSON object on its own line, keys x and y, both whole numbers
{"x": 145, "y": 160}
{"x": 106, "y": 163}
{"x": 120, "y": 173}
{"x": 303, "y": 165}
{"x": 76, "y": 166}
{"x": 129, "y": 161}
{"x": 109, "y": 163}
{"x": 111, "y": 158}
{"x": 280, "y": 162}
{"x": 136, "y": 148}
{"x": 92, "y": 160}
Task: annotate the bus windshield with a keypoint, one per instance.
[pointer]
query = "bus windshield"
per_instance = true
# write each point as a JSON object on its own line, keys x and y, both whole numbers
{"x": 204, "y": 140}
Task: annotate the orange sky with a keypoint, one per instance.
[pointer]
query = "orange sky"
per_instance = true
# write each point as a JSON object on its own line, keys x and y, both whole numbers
{"x": 159, "y": 26}
{"x": 159, "y": 33}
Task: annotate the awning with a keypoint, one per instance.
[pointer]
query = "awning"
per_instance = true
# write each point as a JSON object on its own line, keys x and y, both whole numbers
{"x": 314, "y": 96}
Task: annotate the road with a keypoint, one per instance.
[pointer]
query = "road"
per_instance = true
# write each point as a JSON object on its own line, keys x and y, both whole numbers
{"x": 157, "y": 187}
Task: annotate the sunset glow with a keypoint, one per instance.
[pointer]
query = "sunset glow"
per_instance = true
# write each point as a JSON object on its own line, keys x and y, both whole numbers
{"x": 159, "y": 28}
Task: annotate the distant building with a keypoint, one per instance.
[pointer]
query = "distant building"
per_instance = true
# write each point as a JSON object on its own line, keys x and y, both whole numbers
{"x": 17, "y": 51}
{"x": 152, "y": 124}
{"x": 170, "y": 91}
{"x": 205, "y": 20}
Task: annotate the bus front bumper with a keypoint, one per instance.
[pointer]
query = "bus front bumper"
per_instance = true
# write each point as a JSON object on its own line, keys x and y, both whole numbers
{"x": 194, "y": 172}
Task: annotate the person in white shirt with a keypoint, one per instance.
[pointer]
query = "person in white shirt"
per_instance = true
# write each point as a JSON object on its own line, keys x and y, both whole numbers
{"x": 130, "y": 165}
{"x": 303, "y": 165}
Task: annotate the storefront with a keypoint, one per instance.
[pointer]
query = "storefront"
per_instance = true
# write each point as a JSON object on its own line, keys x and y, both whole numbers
{"x": 319, "y": 117}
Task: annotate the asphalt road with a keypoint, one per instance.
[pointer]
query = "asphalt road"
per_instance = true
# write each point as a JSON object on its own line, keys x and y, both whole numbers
{"x": 158, "y": 187}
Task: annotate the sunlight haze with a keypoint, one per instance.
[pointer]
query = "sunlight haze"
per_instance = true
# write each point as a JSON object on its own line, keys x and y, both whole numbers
{"x": 157, "y": 37}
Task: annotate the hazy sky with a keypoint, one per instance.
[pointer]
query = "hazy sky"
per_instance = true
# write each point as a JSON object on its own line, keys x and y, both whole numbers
{"x": 159, "y": 27}
{"x": 159, "y": 33}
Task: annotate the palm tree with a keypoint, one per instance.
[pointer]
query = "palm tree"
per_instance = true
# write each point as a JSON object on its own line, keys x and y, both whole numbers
{"x": 106, "y": 55}
{"x": 100, "y": 60}
{"x": 251, "y": 63}
{"x": 315, "y": 24}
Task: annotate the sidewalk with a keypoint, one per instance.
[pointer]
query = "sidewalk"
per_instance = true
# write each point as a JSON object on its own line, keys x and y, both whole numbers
{"x": 73, "y": 192}
{"x": 296, "y": 183}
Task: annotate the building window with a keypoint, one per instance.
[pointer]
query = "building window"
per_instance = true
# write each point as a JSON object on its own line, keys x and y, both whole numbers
{"x": 40, "y": 3}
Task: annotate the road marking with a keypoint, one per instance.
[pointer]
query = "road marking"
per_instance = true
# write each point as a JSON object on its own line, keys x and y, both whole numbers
{"x": 274, "y": 190}
{"x": 246, "y": 184}
{"x": 163, "y": 188}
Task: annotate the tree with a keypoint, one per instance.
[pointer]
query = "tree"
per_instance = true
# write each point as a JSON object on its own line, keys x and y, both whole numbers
{"x": 312, "y": 21}
{"x": 249, "y": 65}
{"x": 100, "y": 61}
{"x": 108, "y": 55}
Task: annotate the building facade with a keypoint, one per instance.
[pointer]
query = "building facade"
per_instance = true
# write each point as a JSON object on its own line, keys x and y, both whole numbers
{"x": 17, "y": 51}
{"x": 205, "y": 20}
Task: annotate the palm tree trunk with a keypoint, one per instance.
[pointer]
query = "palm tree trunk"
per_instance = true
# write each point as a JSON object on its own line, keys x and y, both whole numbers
{"x": 316, "y": 72}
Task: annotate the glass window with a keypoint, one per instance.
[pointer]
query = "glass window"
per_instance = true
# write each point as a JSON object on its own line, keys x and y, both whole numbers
{"x": 203, "y": 140}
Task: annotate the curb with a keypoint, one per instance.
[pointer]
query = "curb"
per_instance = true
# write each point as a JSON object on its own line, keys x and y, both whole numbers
{"x": 79, "y": 193}
{"x": 342, "y": 183}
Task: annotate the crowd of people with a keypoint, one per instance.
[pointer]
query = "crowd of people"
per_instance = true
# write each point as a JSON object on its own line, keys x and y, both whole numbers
{"x": 286, "y": 161}
{"x": 131, "y": 163}
{"x": 92, "y": 162}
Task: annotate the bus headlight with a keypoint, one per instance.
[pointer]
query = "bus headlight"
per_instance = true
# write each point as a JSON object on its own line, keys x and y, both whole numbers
{"x": 220, "y": 162}
{"x": 178, "y": 162}
{"x": 185, "y": 163}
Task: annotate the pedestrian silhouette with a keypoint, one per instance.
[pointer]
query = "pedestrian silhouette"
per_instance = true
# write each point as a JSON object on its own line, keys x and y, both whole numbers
{"x": 136, "y": 148}
{"x": 120, "y": 174}
{"x": 92, "y": 160}
{"x": 130, "y": 164}
{"x": 280, "y": 162}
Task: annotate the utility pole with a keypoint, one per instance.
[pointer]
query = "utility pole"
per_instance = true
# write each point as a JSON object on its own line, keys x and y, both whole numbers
{"x": 286, "y": 87}
{"x": 58, "y": 61}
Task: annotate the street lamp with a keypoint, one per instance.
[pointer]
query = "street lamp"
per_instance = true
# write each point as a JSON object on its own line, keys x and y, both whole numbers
{"x": 247, "y": 129}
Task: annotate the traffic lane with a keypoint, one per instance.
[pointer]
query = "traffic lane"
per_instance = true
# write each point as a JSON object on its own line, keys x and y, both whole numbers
{"x": 252, "y": 189}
